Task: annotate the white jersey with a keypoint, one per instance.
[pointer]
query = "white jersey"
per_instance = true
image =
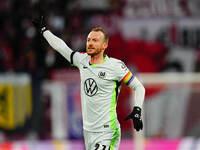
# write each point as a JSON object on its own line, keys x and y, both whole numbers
{"x": 100, "y": 85}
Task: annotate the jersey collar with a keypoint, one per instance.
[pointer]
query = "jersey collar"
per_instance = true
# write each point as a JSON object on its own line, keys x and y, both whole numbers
{"x": 105, "y": 59}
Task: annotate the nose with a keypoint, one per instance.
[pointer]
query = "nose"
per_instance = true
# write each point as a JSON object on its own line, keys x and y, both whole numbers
{"x": 90, "y": 44}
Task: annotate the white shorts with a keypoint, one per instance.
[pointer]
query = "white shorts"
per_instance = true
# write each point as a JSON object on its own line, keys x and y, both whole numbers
{"x": 102, "y": 140}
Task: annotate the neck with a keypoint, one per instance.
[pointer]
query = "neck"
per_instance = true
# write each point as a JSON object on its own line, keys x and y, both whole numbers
{"x": 97, "y": 59}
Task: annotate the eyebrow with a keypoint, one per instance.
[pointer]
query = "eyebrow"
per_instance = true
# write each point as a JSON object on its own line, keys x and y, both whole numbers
{"x": 92, "y": 38}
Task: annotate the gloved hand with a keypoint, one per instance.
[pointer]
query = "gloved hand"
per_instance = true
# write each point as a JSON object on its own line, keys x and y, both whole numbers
{"x": 40, "y": 24}
{"x": 135, "y": 115}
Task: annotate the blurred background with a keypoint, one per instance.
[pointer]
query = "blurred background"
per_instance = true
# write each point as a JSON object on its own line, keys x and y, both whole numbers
{"x": 159, "y": 40}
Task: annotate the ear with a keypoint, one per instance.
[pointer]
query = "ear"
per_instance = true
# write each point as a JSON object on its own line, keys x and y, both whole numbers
{"x": 105, "y": 45}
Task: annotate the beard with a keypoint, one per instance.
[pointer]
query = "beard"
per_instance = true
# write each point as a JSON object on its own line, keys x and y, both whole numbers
{"x": 93, "y": 51}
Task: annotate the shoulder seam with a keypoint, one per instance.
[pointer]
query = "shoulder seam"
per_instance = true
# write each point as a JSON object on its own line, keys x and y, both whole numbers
{"x": 71, "y": 57}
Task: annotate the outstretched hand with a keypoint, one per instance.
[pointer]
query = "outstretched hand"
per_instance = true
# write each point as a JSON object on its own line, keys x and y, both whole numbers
{"x": 39, "y": 24}
{"x": 135, "y": 115}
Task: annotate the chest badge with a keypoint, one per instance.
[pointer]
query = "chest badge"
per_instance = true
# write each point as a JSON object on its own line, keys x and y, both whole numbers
{"x": 102, "y": 74}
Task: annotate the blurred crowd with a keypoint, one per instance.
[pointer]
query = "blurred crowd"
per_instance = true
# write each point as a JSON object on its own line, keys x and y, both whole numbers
{"x": 22, "y": 49}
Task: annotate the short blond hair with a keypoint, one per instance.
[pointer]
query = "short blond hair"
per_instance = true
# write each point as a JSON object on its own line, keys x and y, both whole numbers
{"x": 99, "y": 29}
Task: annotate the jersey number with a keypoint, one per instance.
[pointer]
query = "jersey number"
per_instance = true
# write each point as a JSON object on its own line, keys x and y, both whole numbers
{"x": 98, "y": 145}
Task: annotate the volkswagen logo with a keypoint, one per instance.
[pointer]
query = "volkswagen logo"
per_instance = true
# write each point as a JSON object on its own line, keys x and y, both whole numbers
{"x": 90, "y": 87}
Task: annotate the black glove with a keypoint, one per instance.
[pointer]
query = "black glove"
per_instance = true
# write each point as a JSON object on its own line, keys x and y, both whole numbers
{"x": 135, "y": 115}
{"x": 40, "y": 24}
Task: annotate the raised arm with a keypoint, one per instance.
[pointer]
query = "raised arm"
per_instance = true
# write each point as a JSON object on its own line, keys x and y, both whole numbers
{"x": 56, "y": 43}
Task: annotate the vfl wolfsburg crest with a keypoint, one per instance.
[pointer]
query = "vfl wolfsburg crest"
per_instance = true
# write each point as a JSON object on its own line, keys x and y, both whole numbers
{"x": 102, "y": 74}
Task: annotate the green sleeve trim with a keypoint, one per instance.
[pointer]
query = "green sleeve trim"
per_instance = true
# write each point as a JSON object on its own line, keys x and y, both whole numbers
{"x": 73, "y": 65}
